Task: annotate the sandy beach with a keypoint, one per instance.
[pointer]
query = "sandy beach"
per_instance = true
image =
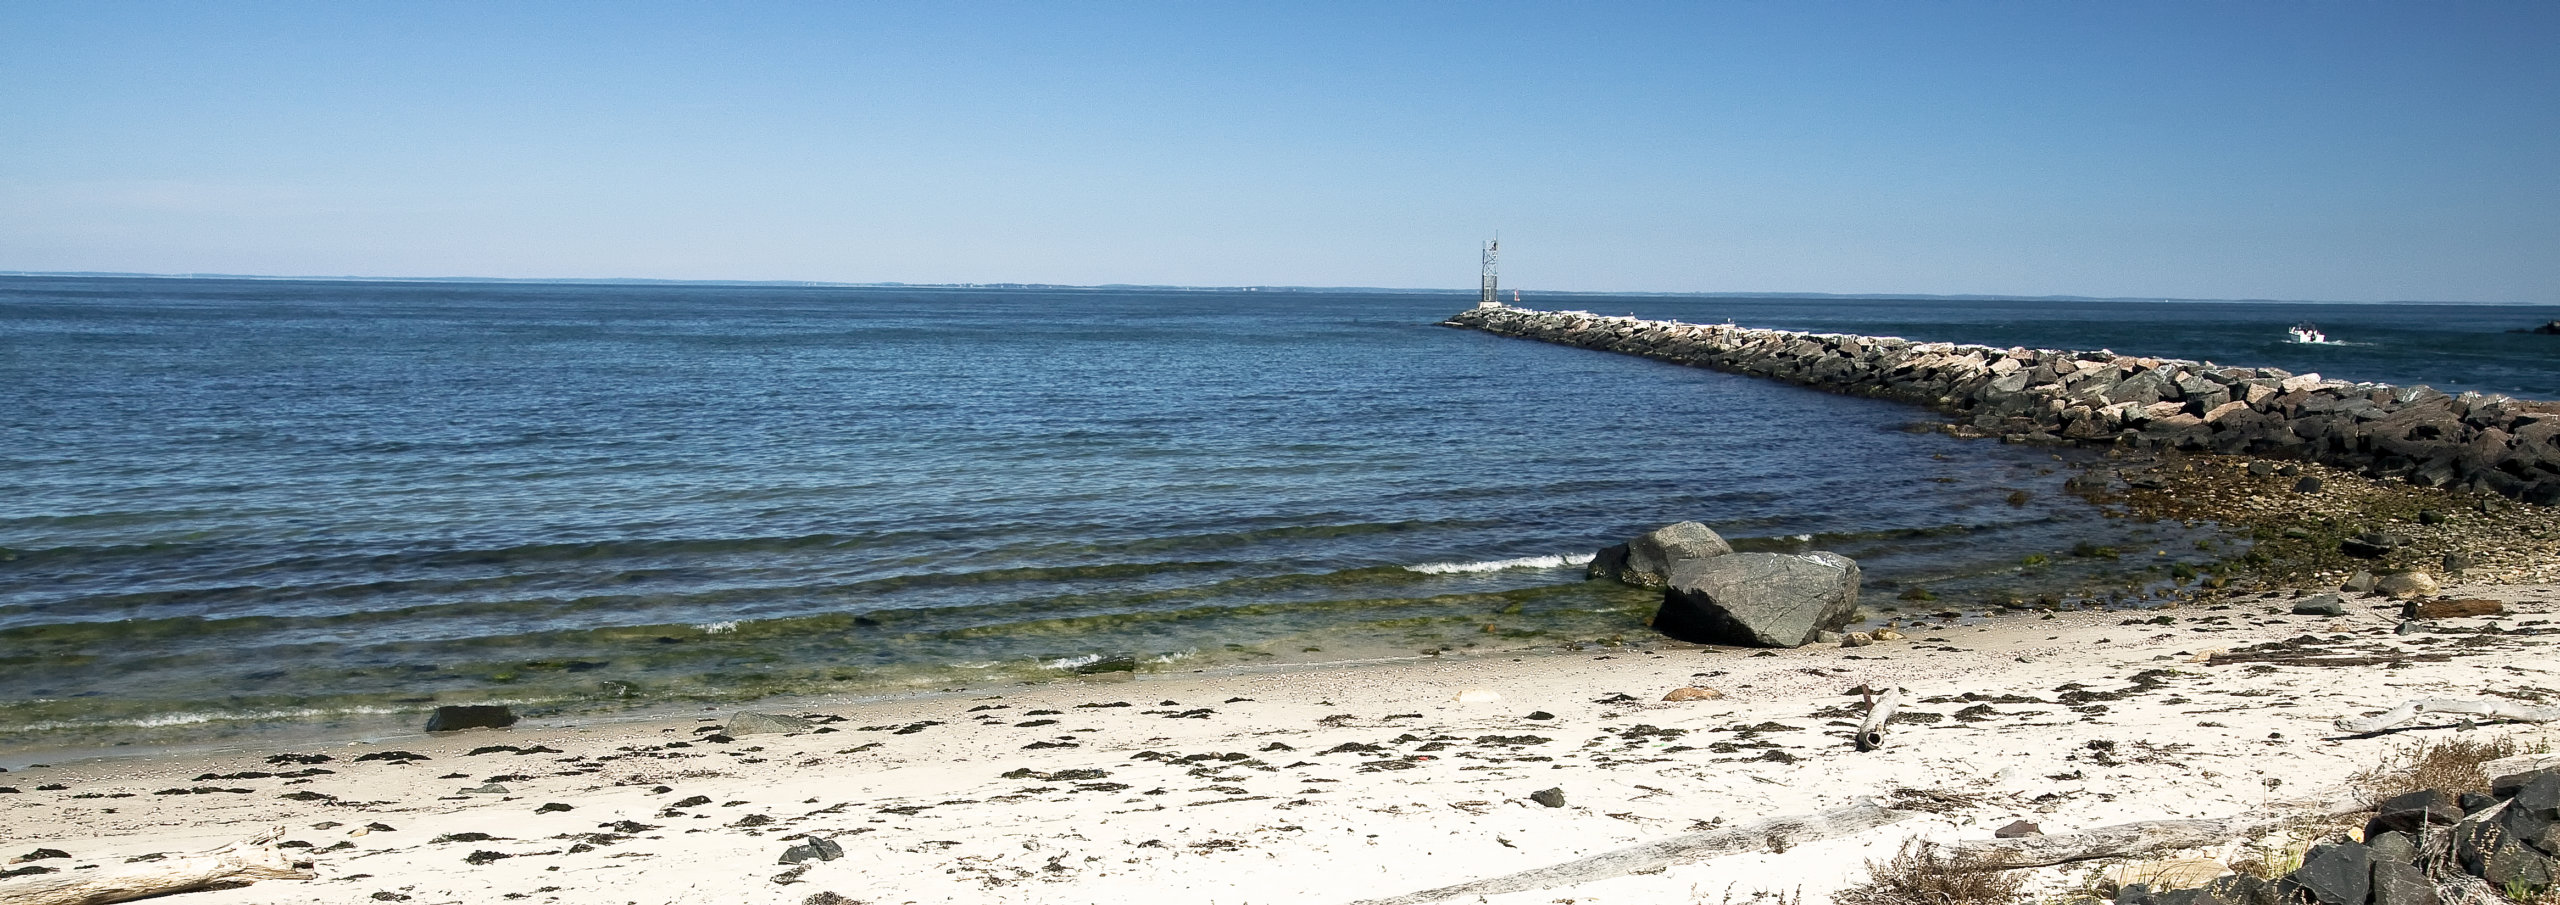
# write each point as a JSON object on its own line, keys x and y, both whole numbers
{"x": 1337, "y": 784}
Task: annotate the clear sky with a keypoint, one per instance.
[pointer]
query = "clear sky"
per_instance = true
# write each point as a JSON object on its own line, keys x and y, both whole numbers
{"x": 2333, "y": 150}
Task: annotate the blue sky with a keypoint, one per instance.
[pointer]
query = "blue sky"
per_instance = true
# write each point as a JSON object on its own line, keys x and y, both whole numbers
{"x": 2341, "y": 151}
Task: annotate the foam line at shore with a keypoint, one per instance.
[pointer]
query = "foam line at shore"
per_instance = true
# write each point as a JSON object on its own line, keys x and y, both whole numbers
{"x": 1551, "y": 561}
{"x": 2481, "y": 443}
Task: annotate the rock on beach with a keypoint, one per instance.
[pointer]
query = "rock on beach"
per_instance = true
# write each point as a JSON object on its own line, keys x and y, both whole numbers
{"x": 1646, "y": 561}
{"x": 454, "y": 717}
{"x": 1759, "y": 599}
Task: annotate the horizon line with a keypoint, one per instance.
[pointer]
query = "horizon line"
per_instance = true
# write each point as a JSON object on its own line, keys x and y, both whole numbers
{"x": 1158, "y": 287}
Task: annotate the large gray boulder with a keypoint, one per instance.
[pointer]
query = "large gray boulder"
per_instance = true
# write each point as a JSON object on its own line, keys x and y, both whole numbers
{"x": 1759, "y": 599}
{"x": 1646, "y": 561}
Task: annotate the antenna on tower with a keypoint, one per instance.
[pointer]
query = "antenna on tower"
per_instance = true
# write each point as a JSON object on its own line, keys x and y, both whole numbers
{"x": 1489, "y": 297}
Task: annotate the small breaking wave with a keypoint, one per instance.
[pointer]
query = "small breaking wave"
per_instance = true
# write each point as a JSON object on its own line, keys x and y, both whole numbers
{"x": 199, "y": 717}
{"x": 1550, "y": 561}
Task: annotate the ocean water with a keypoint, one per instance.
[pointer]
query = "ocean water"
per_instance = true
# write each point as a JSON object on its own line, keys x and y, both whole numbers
{"x": 233, "y": 505}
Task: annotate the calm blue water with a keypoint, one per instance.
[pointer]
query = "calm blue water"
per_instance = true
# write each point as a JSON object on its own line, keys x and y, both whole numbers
{"x": 238, "y": 503}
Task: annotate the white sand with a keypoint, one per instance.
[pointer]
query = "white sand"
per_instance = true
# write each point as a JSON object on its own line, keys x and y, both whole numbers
{"x": 1299, "y": 825}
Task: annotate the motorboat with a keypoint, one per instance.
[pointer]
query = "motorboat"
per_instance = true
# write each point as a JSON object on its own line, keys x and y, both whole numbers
{"x": 2306, "y": 333}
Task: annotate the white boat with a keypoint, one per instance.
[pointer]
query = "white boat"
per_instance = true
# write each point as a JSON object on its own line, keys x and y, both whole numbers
{"x": 2306, "y": 333}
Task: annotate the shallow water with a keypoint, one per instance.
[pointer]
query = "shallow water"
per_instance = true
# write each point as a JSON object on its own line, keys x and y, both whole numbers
{"x": 237, "y": 504}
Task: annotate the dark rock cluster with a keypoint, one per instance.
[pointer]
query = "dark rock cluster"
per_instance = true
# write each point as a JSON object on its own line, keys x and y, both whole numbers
{"x": 2509, "y": 839}
{"x": 2415, "y": 433}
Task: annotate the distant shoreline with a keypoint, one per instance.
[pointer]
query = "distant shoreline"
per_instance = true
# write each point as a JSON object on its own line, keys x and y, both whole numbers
{"x": 1149, "y": 287}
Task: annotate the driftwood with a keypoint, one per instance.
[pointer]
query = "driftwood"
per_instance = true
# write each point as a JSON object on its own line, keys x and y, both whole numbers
{"x": 2108, "y": 842}
{"x": 255, "y": 858}
{"x": 2450, "y": 608}
{"x": 1754, "y": 836}
{"x": 2521, "y": 763}
{"x": 1879, "y": 712}
{"x": 2496, "y": 710}
{"x": 2324, "y": 659}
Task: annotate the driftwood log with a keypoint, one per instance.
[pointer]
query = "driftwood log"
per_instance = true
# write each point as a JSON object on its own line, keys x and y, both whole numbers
{"x": 1754, "y": 836}
{"x": 251, "y": 859}
{"x": 2496, "y": 710}
{"x": 2521, "y": 763}
{"x": 2109, "y": 842}
{"x": 1879, "y": 712}
{"x": 2324, "y": 659}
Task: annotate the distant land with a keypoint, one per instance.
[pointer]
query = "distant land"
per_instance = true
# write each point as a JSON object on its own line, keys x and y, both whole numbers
{"x": 1469, "y": 292}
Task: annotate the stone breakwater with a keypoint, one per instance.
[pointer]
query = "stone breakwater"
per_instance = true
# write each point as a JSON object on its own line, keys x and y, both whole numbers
{"x": 2481, "y": 443}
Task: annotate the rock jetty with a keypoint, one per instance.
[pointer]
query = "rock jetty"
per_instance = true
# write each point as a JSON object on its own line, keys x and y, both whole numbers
{"x": 2482, "y": 443}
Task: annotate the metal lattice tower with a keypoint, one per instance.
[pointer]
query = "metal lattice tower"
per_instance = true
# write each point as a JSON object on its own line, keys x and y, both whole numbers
{"x": 1489, "y": 298}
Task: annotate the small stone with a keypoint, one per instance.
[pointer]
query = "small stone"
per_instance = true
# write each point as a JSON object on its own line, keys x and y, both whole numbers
{"x": 2320, "y": 605}
{"x": 1693, "y": 693}
{"x": 1478, "y": 696}
{"x": 1857, "y": 639}
{"x": 490, "y": 789}
{"x": 2391, "y": 846}
{"x": 40, "y": 855}
{"x": 2510, "y": 862}
{"x": 2308, "y": 484}
{"x": 2430, "y": 517}
{"x": 2410, "y": 627}
{"x": 2539, "y": 796}
{"x": 2018, "y": 829}
{"x": 1539, "y": 715}
{"x": 2358, "y": 583}
{"x": 2399, "y": 883}
{"x": 2405, "y": 585}
{"x": 1826, "y": 636}
{"x": 815, "y": 849}
{"x": 1886, "y": 634}
{"x": 1553, "y": 798}
{"x": 456, "y": 717}
{"x": 552, "y": 808}
{"x": 2289, "y": 471}
{"x": 2410, "y": 811}
{"x": 2340, "y": 874}
{"x": 2262, "y": 469}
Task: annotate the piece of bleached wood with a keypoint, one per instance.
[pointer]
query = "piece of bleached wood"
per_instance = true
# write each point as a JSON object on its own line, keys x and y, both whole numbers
{"x": 1749, "y": 837}
{"x": 1879, "y": 712}
{"x": 2109, "y": 841}
{"x": 254, "y": 858}
{"x": 2522, "y": 763}
{"x": 2496, "y": 710}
